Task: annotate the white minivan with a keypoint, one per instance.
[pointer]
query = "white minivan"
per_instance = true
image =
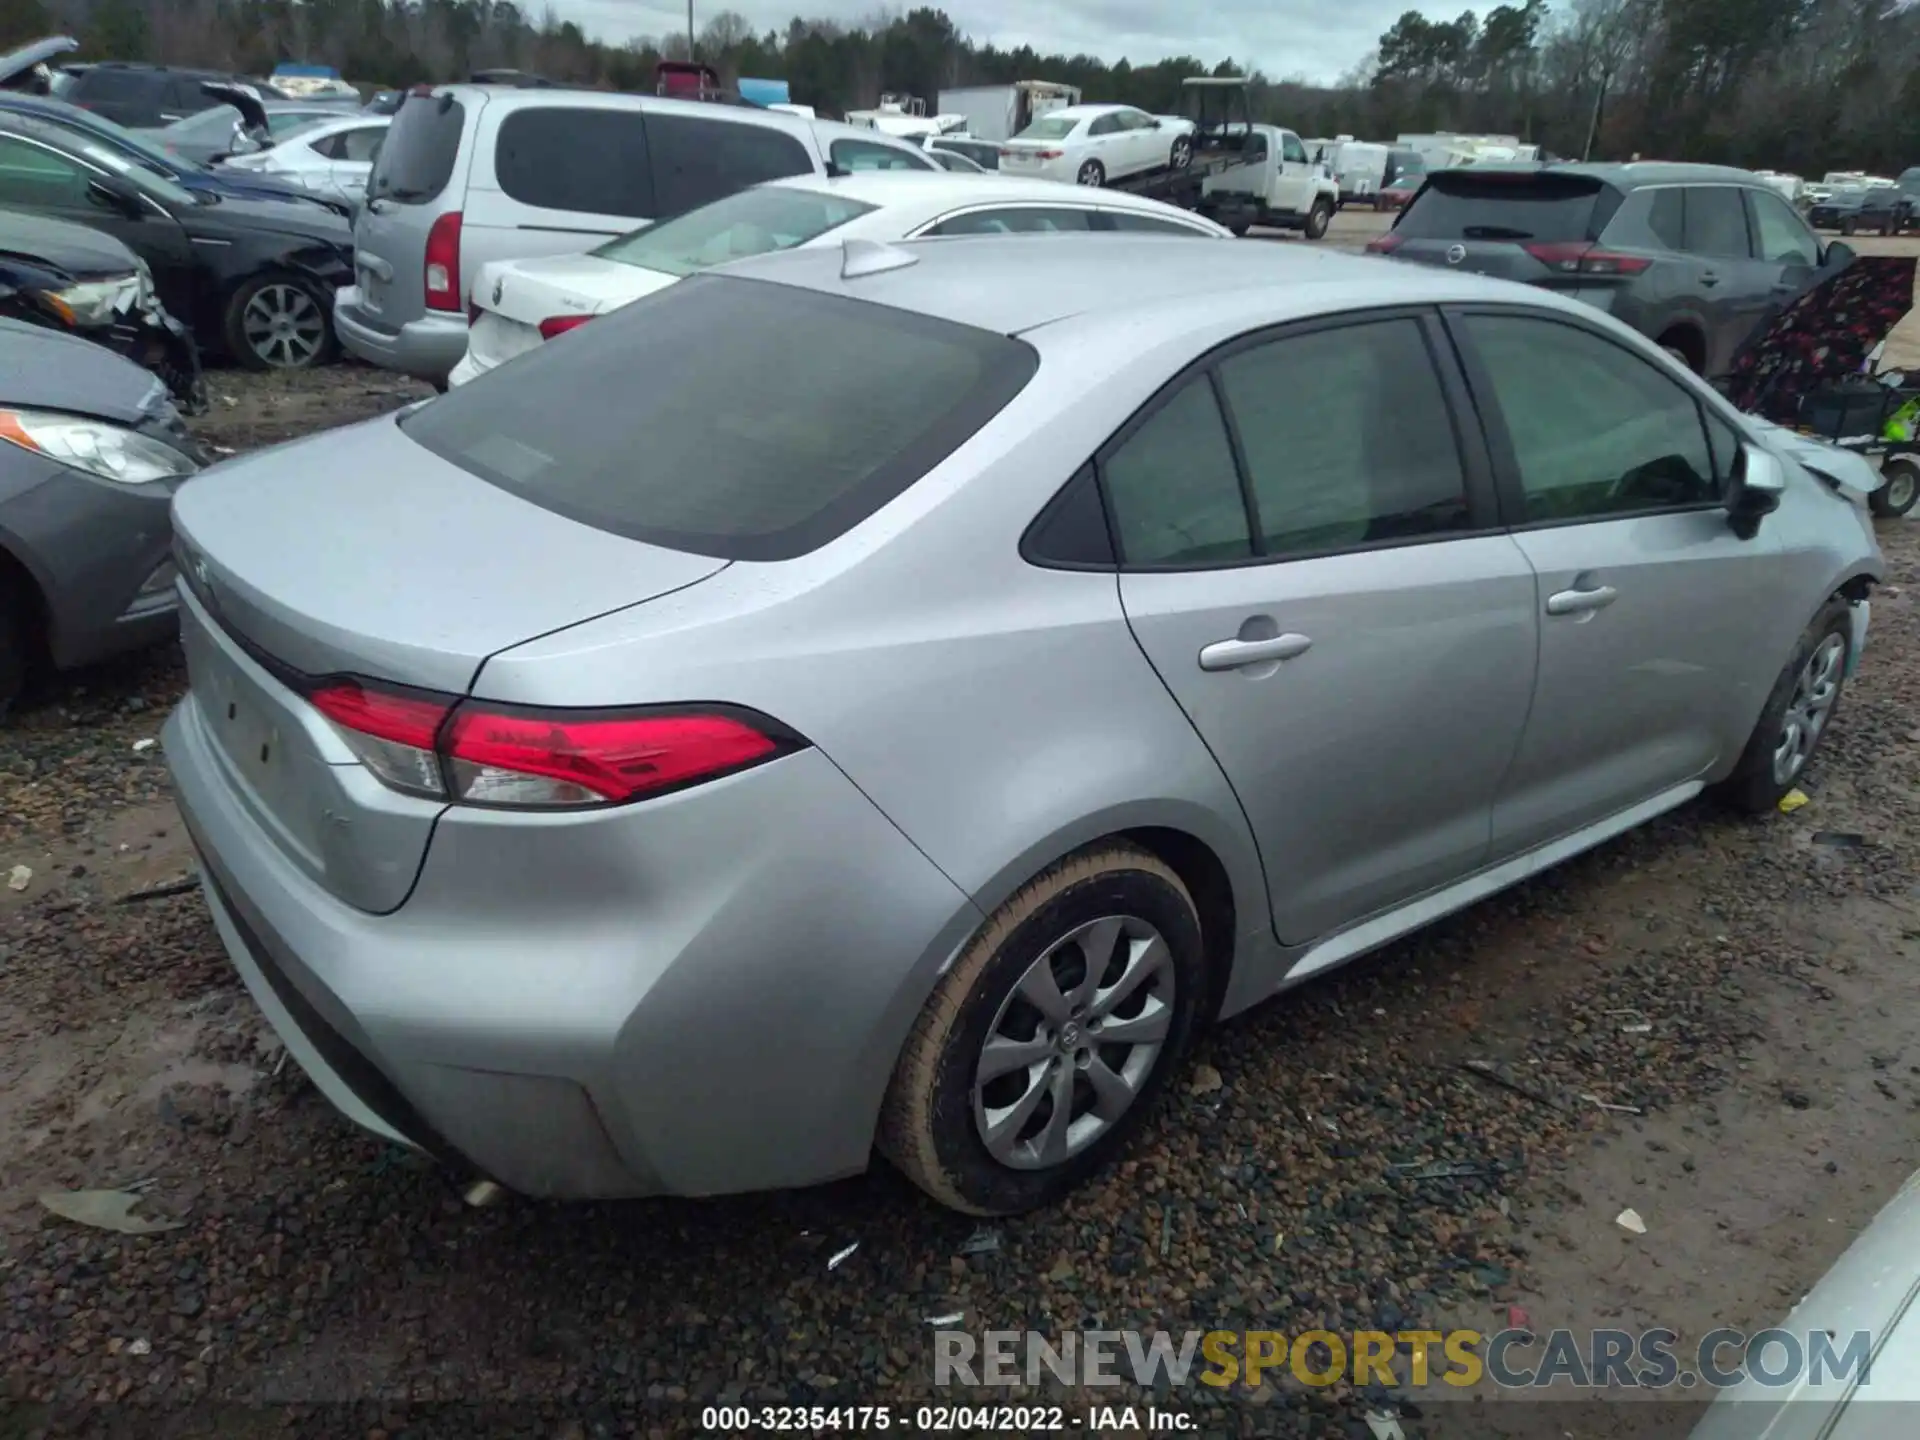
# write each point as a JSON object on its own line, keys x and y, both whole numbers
{"x": 472, "y": 173}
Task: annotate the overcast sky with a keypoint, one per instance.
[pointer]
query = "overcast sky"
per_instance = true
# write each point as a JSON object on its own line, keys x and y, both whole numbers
{"x": 1314, "y": 39}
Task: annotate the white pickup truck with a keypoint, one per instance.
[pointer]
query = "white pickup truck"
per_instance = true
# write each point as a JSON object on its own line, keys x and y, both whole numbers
{"x": 1282, "y": 185}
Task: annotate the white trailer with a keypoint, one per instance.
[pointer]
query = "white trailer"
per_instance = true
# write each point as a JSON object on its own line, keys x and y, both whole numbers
{"x": 1361, "y": 168}
{"x": 999, "y": 112}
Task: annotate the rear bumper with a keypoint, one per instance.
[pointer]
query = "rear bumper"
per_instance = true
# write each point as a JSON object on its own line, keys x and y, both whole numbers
{"x": 427, "y": 348}
{"x": 671, "y": 998}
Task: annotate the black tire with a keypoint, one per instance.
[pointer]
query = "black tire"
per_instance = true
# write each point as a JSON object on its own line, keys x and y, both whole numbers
{"x": 1848, "y": 226}
{"x": 272, "y": 286}
{"x": 928, "y": 1126}
{"x": 1682, "y": 347}
{"x": 1756, "y": 785}
{"x": 14, "y": 657}
{"x": 1181, "y": 155}
{"x": 1318, "y": 218}
{"x": 1897, "y": 496}
{"x": 1091, "y": 173}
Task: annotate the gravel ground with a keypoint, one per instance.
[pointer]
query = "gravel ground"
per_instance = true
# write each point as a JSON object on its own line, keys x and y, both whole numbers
{"x": 319, "y": 1271}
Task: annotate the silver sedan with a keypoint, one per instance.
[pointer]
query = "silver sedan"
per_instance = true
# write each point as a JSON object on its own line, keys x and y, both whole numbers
{"x": 890, "y": 696}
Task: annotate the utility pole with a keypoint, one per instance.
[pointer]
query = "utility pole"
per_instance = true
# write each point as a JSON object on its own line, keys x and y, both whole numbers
{"x": 690, "y": 54}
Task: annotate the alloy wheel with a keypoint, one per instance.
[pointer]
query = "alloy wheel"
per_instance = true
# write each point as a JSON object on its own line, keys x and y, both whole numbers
{"x": 283, "y": 326}
{"x": 1900, "y": 487}
{"x": 1814, "y": 692}
{"x": 1091, "y": 173}
{"x": 1182, "y": 155}
{"x": 1074, "y": 1043}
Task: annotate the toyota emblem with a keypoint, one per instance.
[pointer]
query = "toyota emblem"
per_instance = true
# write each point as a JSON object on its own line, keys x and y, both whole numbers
{"x": 1455, "y": 254}
{"x": 500, "y": 286}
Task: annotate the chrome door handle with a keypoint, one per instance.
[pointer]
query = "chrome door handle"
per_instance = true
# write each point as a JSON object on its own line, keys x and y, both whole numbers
{"x": 1578, "y": 602}
{"x": 1232, "y": 654}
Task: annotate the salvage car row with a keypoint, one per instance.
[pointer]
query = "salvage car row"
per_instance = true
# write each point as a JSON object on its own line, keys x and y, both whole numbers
{"x": 909, "y": 675}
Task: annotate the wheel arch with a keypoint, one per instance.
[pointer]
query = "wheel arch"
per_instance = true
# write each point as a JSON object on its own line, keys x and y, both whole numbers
{"x": 1689, "y": 337}
{"x": 18, "y": 579}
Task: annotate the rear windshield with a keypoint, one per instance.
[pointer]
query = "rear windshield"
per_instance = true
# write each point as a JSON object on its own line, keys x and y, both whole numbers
{"x": 115, "y": 84}
{"x": 729, "y": 417}
{"x": 1503, "y": 207}
{"x": 1051, "y": 128}
{"x": 753, "y": 222}
{"x": 416, "y": 162}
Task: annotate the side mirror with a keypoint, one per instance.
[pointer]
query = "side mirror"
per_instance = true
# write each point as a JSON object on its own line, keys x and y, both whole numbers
{"x": 1759, "y": 480}
{"x": 1153, "y": 124}
{"x": 1837, "y": 256}
{"x": 109, "y": 196}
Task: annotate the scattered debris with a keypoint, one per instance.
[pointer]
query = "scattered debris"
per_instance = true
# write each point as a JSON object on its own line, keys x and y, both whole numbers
{"x": 1506, "y": 1208}
{"x": 482, "y": 1193}
{"x": 1166, "y": 1230}
{"x": 19, "y": 876}
{"x": 1517, "y": 1319}
{"x": 104, "y": 1210}
{"x": 985, "y": 1240}
{"x": 1610, "y": 1107}
{"x": 1503, "y": 1075}
{"x": 839, "y": 1257}
{"x": 1792, "y": 801}
{"x": 1384, "y": 1426}
{"x": 1839, "y": 839}
{"x": 1639, "y": 1027}
{"x": 1279, "y": 1241}
{"x": 942, "y": 1322}
{"x": 146, "y": 744}
{"x": 1438, "y": 1170}
{"x": 142, "y": 1346}
{"x": 1206, "y": 1080}
{"x": 1062, "y": 1269}
{"x": 1630, "y": 1221}
{"x": 161, "y": 892}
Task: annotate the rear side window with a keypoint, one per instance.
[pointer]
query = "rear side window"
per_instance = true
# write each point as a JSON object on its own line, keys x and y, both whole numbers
{"x": 558, "y": 157}
{"x": 696, "y": 160}
{"x": 729, "y": 417}
{"x": 1018, "y": 220}
{"x": 1149, "y": 224}
{"x": 1174, "y": 488}
{"x": 422, "y": 144}
{"x": 1717, "y": 222}
{"x": 1508, "y": 206}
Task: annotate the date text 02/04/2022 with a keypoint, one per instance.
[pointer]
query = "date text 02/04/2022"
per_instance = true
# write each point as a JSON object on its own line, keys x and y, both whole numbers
{"x": 936, "y": 1419}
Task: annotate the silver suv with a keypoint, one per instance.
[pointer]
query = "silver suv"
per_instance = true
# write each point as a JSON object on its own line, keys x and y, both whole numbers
{"x": 472, "y": 173}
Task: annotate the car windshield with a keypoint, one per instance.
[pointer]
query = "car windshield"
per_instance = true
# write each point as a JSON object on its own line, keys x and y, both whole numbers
{"x": 1049, "y": 127}
{"x": 159, "y": 186}
{"x": 751, "y": 222}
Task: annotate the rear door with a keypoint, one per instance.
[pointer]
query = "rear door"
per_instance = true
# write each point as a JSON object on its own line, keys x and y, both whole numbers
{"x": 420, "y": 176}
{"x": 1515, "y": 224}
{"x": 1333, "y": 603}
{"x": 1740, "y": 284}
{"x": 1657, "y": 622}
{"x": 1786, "y": 245}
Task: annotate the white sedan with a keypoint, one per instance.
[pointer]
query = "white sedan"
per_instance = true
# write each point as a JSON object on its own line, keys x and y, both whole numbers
{"x": 518, "y": 304}
{"x": 1092, "y": 144}
{"x": 332, "y": 159}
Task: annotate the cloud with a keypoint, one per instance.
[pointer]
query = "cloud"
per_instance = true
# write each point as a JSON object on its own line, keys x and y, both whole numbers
{"x": 1316, "y": 40}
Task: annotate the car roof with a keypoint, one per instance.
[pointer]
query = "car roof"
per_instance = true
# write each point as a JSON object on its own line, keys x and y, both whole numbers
{"x": 1011, "y": 284}
{"x": 1624, "y": 175}
{"x": 942, "y": 188}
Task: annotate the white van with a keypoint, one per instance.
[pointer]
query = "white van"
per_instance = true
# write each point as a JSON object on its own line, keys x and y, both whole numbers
{"x": 472, "y": 173}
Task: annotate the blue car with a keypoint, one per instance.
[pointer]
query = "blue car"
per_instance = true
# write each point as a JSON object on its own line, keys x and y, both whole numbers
{"x": 140, "y": 151}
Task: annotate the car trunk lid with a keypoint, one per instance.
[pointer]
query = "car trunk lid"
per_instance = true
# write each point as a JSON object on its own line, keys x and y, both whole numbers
{"x": 1533, "y": 225}
{"x": 411, "y": 187}
{"x": 513, "y": 301}
{"x": 365, "y": 555}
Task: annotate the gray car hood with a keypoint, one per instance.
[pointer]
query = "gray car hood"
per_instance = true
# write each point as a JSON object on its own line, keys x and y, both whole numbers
{"x": 45, "y": 370}
{"x": 62, "y": 246}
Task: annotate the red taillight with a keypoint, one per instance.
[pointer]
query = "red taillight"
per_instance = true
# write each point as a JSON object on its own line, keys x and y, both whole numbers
{"x": 443, "y": 263}
{"x": 559, "y": 324}
{"x": 1385, "y": 245}
{"x": 480, "y": 754}
{"x": 503, "y": 757}
{"x": 1578, "y": 257}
